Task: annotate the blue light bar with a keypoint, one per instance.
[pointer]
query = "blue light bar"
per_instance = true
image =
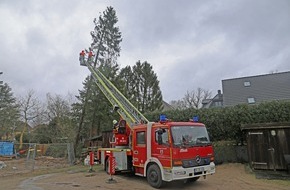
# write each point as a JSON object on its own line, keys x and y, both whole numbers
{"x": 162, "y": 118}
{"x": 195, "y": 118}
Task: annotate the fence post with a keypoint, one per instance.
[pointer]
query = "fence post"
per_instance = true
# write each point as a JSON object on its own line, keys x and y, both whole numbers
{"x": 31, "y": 156}
{"x": 71, "y": 153}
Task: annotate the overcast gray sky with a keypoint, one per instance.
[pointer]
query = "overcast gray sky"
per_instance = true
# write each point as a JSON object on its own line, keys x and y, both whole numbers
{"x": 189, "y": 43}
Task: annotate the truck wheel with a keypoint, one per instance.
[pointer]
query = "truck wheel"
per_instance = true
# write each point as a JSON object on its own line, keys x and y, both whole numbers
{"x": 154, "y": 177}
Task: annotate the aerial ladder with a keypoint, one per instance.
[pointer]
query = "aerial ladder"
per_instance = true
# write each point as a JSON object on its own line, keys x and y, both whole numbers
{"x": 120, "y": 103}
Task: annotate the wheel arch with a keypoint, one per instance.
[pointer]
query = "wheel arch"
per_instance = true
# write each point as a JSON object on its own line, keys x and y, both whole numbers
{"x": 150, "y": 162}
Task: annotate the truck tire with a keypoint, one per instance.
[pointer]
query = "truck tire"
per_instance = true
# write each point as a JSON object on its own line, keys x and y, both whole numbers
{"x": 154, "y": 177}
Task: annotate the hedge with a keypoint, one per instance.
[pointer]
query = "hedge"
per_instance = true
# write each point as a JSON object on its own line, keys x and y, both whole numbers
{"x": 224, "y": 123}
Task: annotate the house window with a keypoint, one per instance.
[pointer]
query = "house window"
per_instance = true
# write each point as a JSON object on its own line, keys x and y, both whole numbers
{"x": 247, "y": 83}
{"x": 140, "y": 137}
{"x": 251, "y": 100}
{"x": 218, "y": 104}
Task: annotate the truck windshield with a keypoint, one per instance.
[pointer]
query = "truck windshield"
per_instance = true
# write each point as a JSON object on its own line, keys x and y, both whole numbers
{"x": 189, "y": 136}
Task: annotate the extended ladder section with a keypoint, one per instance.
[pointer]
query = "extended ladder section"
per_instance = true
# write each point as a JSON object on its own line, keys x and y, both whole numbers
{"x": 121, "y": 104}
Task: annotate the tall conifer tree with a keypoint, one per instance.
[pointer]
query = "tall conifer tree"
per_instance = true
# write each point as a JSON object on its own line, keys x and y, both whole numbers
{"x": 9, "y": 112}
{"x": 141, "y": 87}
{"x": 106, "y": 39}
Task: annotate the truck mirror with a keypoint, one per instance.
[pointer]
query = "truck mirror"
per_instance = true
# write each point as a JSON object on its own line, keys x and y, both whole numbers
{"x": 159, "y": 139}
{"x": 160, "y": 131}
{"x": 159, "y": 136}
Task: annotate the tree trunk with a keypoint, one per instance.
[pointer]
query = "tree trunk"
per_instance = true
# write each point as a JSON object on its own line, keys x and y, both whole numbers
{"x": 85, "y": 103}
{"x": 21, "y": 136}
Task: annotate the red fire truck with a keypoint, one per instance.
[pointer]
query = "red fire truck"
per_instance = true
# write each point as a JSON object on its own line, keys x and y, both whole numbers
{"x": 161, "y": 151}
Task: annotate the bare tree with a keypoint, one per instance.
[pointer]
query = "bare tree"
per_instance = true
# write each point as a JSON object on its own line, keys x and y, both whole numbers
{"x": 178, "y": 104}
{"x": 193, "y": 99}
{"x": 57, "y": 107}
{"x": 59, "y": 116}
{"x": 30, "y": 110}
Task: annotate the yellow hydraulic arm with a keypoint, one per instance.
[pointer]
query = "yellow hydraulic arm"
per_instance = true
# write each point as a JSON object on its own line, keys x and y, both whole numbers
{"x": 121, "y": 104}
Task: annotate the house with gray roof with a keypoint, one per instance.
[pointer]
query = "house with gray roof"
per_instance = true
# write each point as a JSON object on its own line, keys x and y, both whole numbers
{"x": 256, "y": 89}
{"x": 251, "y": 90}
{"x": 215, "y": 102}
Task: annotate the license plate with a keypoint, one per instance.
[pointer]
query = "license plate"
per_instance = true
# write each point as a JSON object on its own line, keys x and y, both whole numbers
{"x": 197, "y": 170}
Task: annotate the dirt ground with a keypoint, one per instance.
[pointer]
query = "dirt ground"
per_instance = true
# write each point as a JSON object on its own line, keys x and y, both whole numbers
{"x": 51, "y": 174}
